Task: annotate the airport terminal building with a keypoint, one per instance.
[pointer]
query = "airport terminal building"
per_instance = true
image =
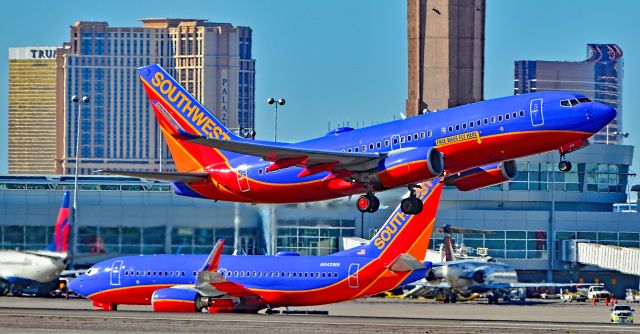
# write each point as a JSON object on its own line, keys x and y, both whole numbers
{"x": 530, "y": 215}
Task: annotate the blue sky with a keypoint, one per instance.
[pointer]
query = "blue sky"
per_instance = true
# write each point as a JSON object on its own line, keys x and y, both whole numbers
{"x": 346, "y": 61}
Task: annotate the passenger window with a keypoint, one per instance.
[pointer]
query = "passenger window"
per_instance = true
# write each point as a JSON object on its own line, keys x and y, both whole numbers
{"x": 371, "y": 146}
{"x": 478, "y": 122}
{"x": 486, "y": 121}
{"x": 443, "y": 130}
{"x": 415, "y": 136}
{"x": 242, "y": 274}
{"x": 378, "y": 145}
{"x": 335, "y": 275}
{"x": 409, "y": 138}
{"x": 421, "y": 135}
{"x": 457, "y": 127}
{"x": 364, "y": 148}
{"x": 450, "y": 128}
{"x": 506, "y": 117}
{"x": 386, "y": 143}
{"x": 464, "y": 126}
{"x": 324, "y": 275}
{"x": 499, "y": 118}
{"x": 521, "y": 113}
{"x": 355, "y": 149}
{"x": 471, "y": 124}
{"x": 348, "y": 150}
{"x": 429, "y": 133}
{"x": 395, "y": 140}
{"x": 293, "y": 274}
{"x": 402, "y": 139}
{"x": 514, "y": 114}
{"x": 149, "y": 273}
{"x": 260, "y": 171}
{"x": 254, "y": 274}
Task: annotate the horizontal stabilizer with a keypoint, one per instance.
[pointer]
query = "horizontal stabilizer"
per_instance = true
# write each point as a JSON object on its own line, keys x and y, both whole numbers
{"x": 162, "y": 176}
{"x": 405, "y": 262}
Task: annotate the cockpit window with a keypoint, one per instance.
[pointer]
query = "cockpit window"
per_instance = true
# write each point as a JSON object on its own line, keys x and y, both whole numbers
{"x": 573, "y": 102}
{"x": 91, "y": 271}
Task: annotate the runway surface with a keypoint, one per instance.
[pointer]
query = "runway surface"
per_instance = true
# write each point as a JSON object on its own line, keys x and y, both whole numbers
{"x": 38, "y": 315}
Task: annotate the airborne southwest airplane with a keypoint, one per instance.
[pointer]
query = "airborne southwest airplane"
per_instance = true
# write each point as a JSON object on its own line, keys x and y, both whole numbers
{"x": 228, "y": 283}
{"x": 472, "y": 146}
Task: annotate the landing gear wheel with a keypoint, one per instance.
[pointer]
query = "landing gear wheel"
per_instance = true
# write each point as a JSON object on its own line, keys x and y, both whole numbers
{"x": 4, "y": 287}
{"x": 453, "y": 297}
{"x": 411, "y": 206}
{"x": 564, "y": 166}
{"x": 368, "y": 203}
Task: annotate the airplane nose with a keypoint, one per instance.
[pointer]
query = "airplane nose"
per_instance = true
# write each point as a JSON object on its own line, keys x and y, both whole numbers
{"x": 603, "y": 113}
{"x": 76, "y": 285}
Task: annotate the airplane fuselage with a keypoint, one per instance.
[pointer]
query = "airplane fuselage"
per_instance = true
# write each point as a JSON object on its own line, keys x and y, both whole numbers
{"x": 280, "y": 280}
{"x": 17, "y": 266}
{"x": 468, "y": 136}
{"x": 469, "y": 276}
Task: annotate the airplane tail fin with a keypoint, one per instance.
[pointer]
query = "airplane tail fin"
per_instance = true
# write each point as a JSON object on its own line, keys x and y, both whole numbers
{"x": 181, "y": 117}
{"x": 60, "y": 241}
{"x": 403, "y": 233}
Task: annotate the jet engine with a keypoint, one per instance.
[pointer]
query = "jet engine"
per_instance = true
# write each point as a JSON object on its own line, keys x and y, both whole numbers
{"x": 479, "y": 276}
{"x": 483, "y": 176}
{"x": 411, "y": 166}
{"x": 176, "y": 300}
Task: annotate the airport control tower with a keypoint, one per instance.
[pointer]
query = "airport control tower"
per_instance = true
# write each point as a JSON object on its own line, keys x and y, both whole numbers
{"x": 446, "y": 53}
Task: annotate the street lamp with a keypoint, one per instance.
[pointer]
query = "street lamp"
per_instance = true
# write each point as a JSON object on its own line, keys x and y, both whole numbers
{"x": 74, "y": 225}
{"x": 281, "y": 102}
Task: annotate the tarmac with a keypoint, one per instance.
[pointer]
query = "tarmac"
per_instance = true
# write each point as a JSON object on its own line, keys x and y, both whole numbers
{"x": 369, "y": 315}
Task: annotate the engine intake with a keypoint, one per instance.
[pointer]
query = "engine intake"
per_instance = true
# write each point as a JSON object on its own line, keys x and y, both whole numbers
{"x": 484, "y": 176}
{"x": 412, "y": 166}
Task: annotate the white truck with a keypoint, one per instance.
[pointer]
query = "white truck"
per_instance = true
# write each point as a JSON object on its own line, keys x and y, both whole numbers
{"x": 597, "y": 292}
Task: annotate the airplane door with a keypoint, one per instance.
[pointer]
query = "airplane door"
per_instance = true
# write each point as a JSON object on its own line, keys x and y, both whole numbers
{"x": 115, "y": 272}
{"x": 535, "y": 109}
{"x": 395, "y": 142}
{"x": 243, "y": 180}
{"x": 353, "y": 275}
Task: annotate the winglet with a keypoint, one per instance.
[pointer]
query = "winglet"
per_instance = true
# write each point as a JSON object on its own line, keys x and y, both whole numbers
{"x": 214, "y": 258}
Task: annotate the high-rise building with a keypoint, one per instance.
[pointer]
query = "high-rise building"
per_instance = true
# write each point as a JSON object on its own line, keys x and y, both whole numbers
{"x": 446, "y": 53}
{"x": 599, "y": 78}
{"x": 32, "y": 110}
{"x": 118, "y": 129}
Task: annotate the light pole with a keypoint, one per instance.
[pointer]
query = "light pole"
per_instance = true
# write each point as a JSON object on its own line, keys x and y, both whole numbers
{"x": 281, "y": 102}
{"x": 74, "y": 217}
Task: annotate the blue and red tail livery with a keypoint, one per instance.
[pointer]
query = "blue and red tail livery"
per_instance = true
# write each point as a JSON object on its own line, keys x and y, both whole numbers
{"x": 226, "y": 283}
{"x": 60, "y": 241}
{"x": 215, "y": 163}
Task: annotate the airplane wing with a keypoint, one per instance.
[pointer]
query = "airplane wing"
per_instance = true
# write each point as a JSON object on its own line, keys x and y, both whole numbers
{"x": 163, "y": 176}
{"x": 285, "y": 155}
{"x": 213, "y": 283}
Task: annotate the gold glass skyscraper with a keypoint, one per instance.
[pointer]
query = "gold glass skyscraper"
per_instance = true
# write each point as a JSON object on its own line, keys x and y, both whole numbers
{"x": 32, "y": 110}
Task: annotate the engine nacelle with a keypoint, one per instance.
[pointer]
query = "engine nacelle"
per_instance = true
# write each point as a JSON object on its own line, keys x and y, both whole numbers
{"x": 412, "y": 166}
{"x": 484, "y": 176}
{"x": 175, "y": 300}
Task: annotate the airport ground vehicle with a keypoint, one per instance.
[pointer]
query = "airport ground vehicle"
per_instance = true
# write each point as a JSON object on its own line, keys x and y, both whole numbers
{"x": 597, "y": 292}
{"x": 622, "y": 314}
{"x": 569, "y": 296}
{"x": 632, "y": 296}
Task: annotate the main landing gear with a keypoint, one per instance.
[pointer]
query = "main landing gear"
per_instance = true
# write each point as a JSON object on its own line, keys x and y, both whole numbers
{"x": 411, "y": 205}
{"x": 564, "y": 165}
{"x": 368, "y": 203}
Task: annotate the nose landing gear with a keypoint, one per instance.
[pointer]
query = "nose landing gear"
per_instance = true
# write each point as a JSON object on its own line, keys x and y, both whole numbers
{"x": 564, "y": 165}
{"x": 411, "y": 205}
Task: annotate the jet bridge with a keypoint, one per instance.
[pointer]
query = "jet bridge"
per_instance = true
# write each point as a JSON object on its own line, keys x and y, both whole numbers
{"x": 623, "y": 259}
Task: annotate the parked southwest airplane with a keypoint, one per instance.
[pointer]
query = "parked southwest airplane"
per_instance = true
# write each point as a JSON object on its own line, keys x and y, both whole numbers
{"x": 226, "y": 283}
{"x": 37, "y": 270}
{"x": 473, "y": 146}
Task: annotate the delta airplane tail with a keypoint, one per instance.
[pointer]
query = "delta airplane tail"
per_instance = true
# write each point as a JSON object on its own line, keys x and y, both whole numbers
{"x": 181, "y": 117}
{"x": 60, "y": 241}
